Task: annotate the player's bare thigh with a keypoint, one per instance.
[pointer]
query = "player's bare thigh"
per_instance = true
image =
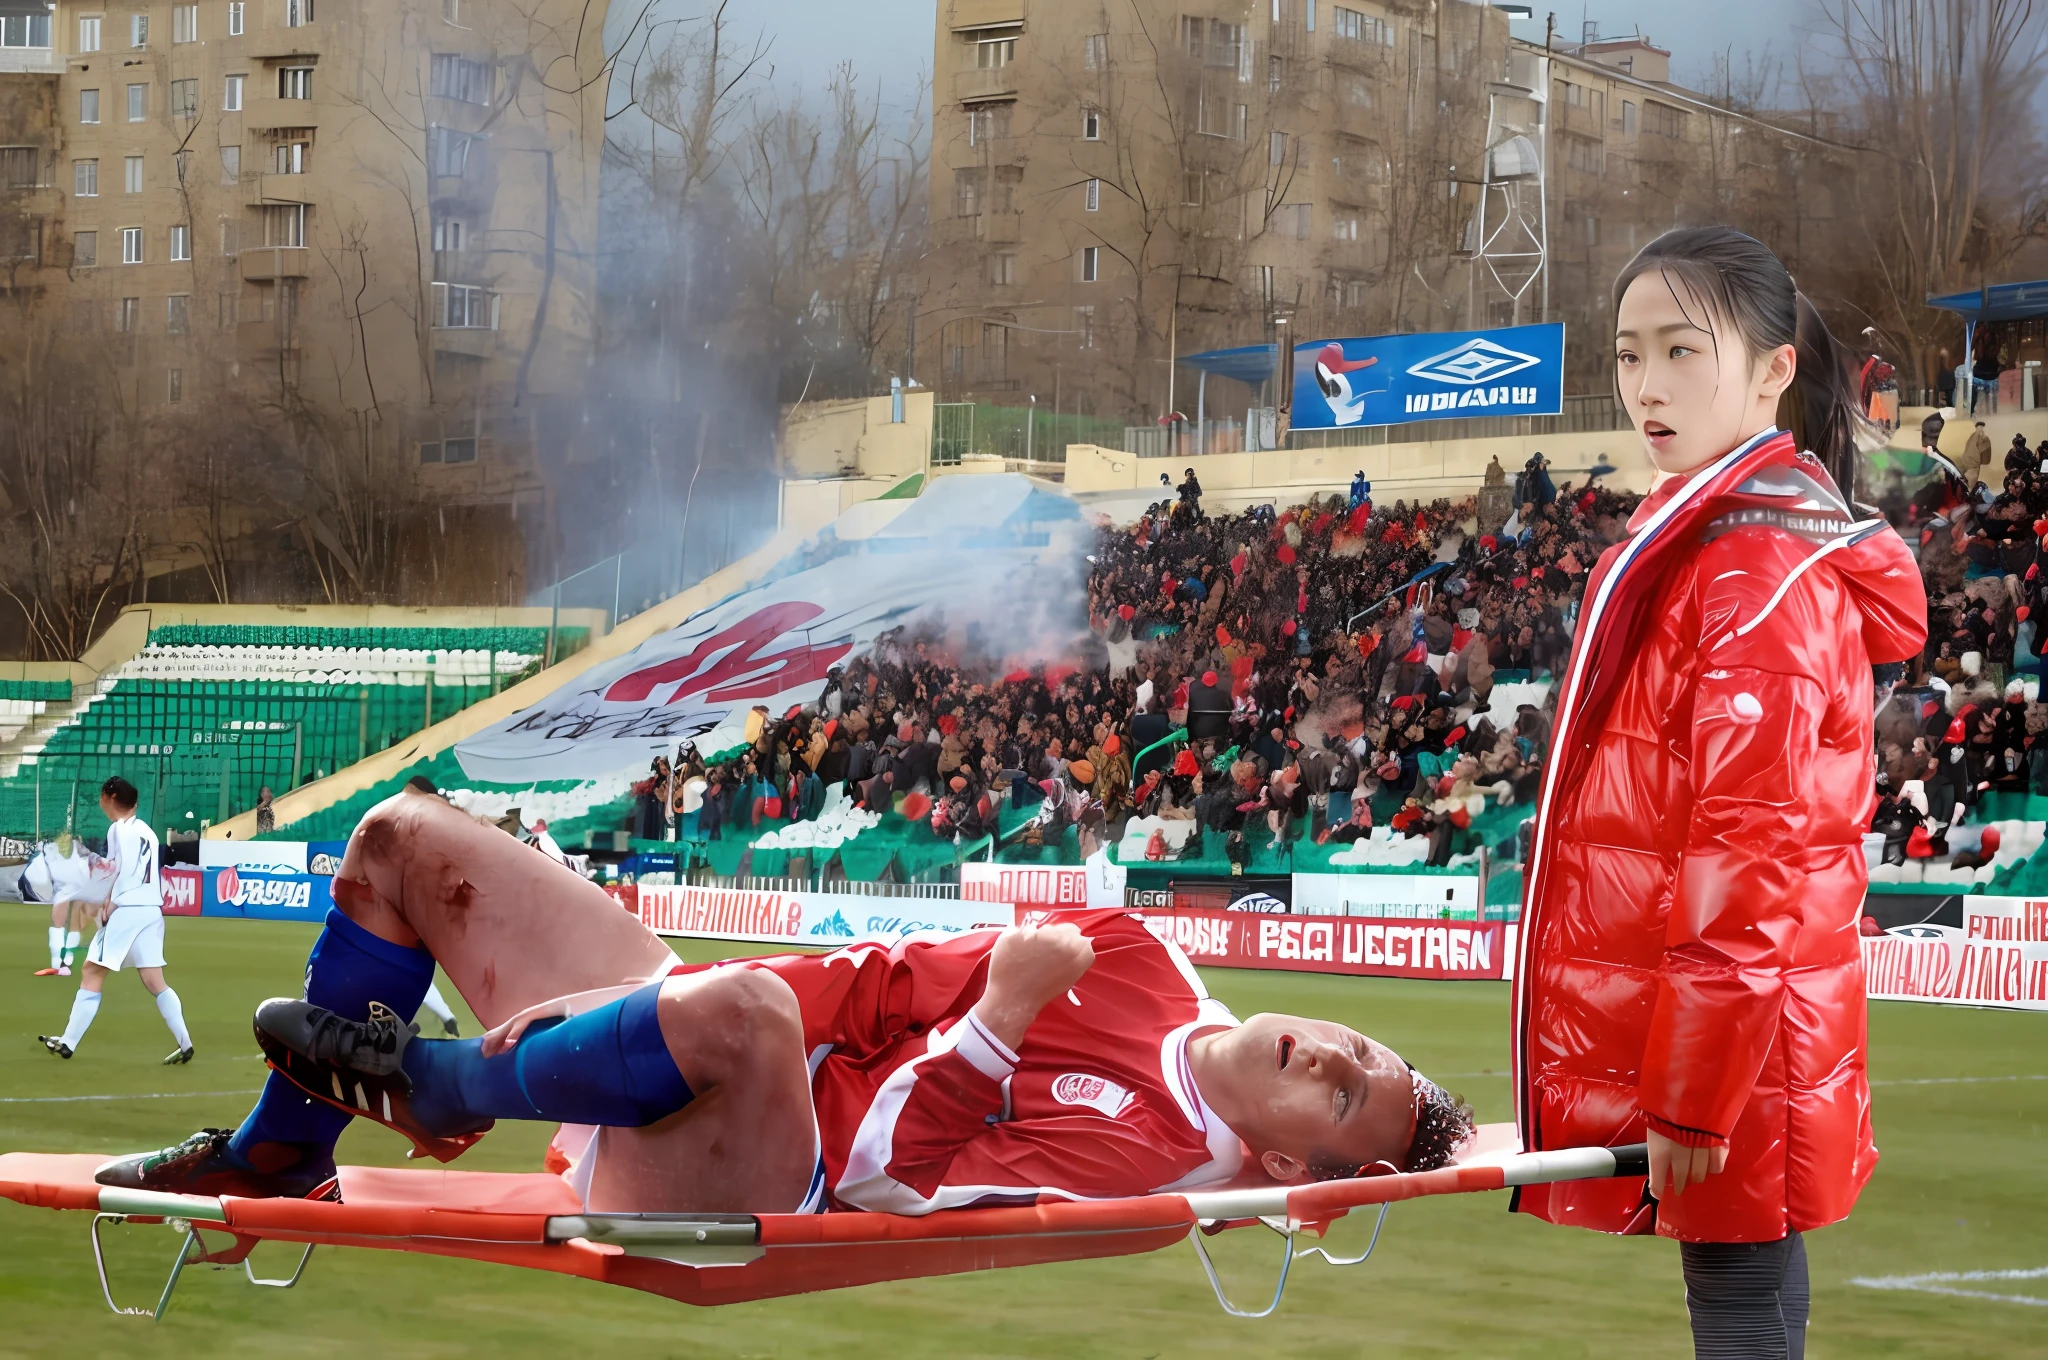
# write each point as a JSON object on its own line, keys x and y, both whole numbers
{"x": 746, "y": 1142}
{"x": 511, "y": 927}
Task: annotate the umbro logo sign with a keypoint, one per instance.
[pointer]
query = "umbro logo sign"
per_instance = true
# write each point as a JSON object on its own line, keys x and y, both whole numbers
{"x": 1474, "y": 363}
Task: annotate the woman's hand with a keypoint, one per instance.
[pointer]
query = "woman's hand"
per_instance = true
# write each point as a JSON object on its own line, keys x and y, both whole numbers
{"x": 1676, "y": 1164}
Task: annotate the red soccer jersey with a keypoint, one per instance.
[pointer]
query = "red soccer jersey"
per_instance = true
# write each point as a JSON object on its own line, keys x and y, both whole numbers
{"x": 920, "y": 1108}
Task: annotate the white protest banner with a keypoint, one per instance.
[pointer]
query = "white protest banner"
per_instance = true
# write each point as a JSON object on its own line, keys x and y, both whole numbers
{"x": 1998, "y": 958}
{"x": 1406, "y": 896}
{"x": 806, "y": 917}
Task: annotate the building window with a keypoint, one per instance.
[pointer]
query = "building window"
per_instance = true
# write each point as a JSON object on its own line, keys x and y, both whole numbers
{"x": 181, "y": 243}
{"x": 449, "y": 151}
{"x": 138, "y": 30}
{"x": 89, "y": 34}
{"x": 454, "y": 77}
{"x": 1583, "y": 153}
{"x": 995, "y": 351}
{"x": 1354, "y": 89}
{"x": 131, "y": 175}
{"x": 1084, "y": 328}
{"x": 1091, "y": 263}
{"x": 967, "y": 193}
{"x": 986, "y": 122}
{"x": 1343, "y": 222}
{"x": 234, "y": 18}
{"x": 1628, "y": 117}
{"x": 294, "y": 82}
{"x": 462, "y": 307}
{"x": 1091, "y": 196}
{"x": 1091, "y": 125}
{"x": 127, "y": 315}
{"x": 25, "y": 31}
{"x": 230, "y": 166}
{"x": 1095, "y": 51}
{"x": 229, "y": 306}
{"x": 1664, "y": 120}
{"x": 131, "y": 245}
{"x": 174, "y": 390}
{"x": 292, "y": 157}
{"x": 88, "y": 106}
{"x": 284, "y": 224}
{"x": 20, "y": 167}
{"x": 448, "y": 234}
{"x": 85, "y": 249}
{"x": 138, "y": 103}
{"x": 430, "y": 450}
{"x": 1292, "y": 220}
{"x": 1276, "y": 74}
{"x": 1309, "y": 15}
{"x": 451, "y": 11}
{"x": 1002, "y": 268}
{"x": 177, "y": 314}
{"x": 85, "y": 179}
{"x": 1349, "y": 23}
{"x": 992, "y": 54}
{"x": 184, "y": 23}
{"x": 231, "y": 94}
{"x": 1276, "y": 148}
{"x": 185, "y": 99}
{"x": 298, "y": 13}
{"x": 1592, "y": 236}
{"x": 1191, "y": 188}
{"x": 458, "y": 450}
{"x": 230, "y": 237}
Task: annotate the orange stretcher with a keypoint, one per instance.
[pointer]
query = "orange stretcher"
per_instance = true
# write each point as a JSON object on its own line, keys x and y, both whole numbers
{"x": 536, "y": 1221}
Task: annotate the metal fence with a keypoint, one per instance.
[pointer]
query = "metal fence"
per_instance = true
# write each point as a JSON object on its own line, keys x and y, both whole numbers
{"x": 851, "y": 887}
{"x": 1015, "y": 433}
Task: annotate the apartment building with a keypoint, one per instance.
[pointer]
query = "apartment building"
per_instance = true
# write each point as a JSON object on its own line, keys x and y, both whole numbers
{"x": 1115, "y": 185}
{"x": 371, "y": 223}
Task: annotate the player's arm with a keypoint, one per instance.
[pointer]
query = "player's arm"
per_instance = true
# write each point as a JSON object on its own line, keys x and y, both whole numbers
{"x": 933, "y": 1109}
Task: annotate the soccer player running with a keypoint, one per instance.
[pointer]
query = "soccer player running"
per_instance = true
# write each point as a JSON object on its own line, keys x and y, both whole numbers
{"x": 66, "y": 871}
{"x": 131, "y": 927}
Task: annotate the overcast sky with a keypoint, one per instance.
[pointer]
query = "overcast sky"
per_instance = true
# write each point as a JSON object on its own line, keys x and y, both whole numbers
{"x": 889, "y": 41}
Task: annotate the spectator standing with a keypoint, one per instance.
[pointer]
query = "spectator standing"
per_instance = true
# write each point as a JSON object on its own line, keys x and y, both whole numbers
{"x": 1976, "y": 456}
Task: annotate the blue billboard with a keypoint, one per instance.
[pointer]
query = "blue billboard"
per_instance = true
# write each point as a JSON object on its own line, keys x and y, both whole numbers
{"x": 1439, "y": 375}
{"x": 261, "y": 895}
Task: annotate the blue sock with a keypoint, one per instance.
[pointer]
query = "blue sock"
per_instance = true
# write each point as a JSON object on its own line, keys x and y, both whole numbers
{"x": 348, "y": 969}
{"x": 610, "y": 1066}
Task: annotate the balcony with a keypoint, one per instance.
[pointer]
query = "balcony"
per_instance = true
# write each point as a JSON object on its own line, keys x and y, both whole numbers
{"x": 263, "y": 264}
{"x": 469, "y": 342}
{"x": 990, "y": 83}
{"x": 265, "y": 186}
{"x": 261, "y": 337}
{"x": 29, "y": 61}
{"x": 268, "y": 111}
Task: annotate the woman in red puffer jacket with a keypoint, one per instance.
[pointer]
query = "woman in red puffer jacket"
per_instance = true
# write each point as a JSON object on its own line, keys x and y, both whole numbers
{"x": 1689, "y": 971}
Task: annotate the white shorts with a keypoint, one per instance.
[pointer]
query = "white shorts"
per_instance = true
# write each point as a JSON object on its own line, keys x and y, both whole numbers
{"x": 132, "y": 936}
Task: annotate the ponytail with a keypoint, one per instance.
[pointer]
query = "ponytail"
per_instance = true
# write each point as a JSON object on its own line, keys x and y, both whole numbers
{"x": 1737, "y": 279}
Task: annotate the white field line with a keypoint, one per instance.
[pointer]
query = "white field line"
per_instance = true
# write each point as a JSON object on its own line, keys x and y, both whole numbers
{"x": 1943, "y": 1282}
{"x": 148, "y": 1095}
{"x": 1956, "y": 1081}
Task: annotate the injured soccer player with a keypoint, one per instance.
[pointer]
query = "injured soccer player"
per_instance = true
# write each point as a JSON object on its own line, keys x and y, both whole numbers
{"x": 1076, "y": 1060}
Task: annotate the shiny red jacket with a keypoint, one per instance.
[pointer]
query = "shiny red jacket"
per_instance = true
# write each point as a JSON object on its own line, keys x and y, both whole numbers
{"x": 1688, "y": 955}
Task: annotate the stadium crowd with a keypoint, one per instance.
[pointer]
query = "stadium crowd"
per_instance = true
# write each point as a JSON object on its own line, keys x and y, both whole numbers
{"x": 1333, "y": 666}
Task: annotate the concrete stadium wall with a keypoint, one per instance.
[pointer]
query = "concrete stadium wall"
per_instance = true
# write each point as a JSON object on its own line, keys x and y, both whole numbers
{"x": 311, "y": 798}
{"x": 1420, "y": 470}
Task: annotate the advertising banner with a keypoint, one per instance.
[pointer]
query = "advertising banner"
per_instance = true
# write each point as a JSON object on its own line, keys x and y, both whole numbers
{"x": 1998, "y": 958}
{"x": 1402, "y": 895}
{"x": 1358, "y": 946}
{"x": 277, "y": 857}
{"x": 257, "y": 895}
{"x": 324, "y": 857}
{"x": 181, "y": 890}
{"x": 1039, "y": 886}
{"x": 1438, "y": 375}
{"x": 806, "y": 918}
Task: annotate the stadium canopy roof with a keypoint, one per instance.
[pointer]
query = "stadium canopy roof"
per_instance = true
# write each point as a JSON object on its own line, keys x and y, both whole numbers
{"x": 1998, "y": 302}
{"x": 1250, "y": 364}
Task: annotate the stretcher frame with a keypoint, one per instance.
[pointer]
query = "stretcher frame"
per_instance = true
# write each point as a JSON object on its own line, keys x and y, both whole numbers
{"x": 535, "y": 1221}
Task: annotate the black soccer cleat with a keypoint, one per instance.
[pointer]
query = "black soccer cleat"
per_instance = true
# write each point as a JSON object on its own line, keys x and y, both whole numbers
{"x": 179, "y": 1057}
{"x": 205, "y": 1164}
{"x": 355, "y": 1066}
{"x": 450, "y": 1028}
{"x": 55, "y": 1045}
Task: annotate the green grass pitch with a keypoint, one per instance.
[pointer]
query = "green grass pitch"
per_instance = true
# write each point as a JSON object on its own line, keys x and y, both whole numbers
{"x": 1963, "y": 1186}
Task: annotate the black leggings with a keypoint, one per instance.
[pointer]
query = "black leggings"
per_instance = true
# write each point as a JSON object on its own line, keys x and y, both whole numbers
{"x": 1748, "y": 1300}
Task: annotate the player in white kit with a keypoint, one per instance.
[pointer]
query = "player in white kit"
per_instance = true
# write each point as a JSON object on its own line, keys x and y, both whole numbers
{"x": 131, "y": 927}
{"x": 73, "y": 880}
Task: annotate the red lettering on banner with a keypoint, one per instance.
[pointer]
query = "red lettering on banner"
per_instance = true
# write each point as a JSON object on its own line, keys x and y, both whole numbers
{"x": 181, "y": 891}
{"x": 1316, "y": 944}
{"x": 729, "y": 663}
